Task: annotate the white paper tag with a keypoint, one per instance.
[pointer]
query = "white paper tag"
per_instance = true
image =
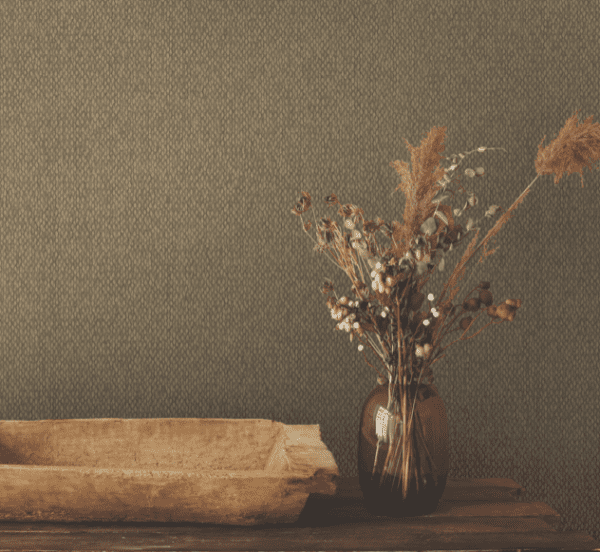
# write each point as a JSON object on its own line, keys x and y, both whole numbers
{"x": 385, "y": 424}
{"x": 381, "y": 424}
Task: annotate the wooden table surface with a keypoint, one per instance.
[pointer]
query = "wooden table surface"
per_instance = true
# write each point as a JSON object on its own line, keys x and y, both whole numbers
{"x": 475, "y": 514}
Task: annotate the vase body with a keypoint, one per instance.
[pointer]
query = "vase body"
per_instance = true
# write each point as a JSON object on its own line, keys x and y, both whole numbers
{"x": 429, "y": 455}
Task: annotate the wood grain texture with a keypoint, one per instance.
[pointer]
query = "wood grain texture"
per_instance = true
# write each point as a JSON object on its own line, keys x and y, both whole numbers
{"x": 241, "y": 472}
{"x": 496, "y": 519}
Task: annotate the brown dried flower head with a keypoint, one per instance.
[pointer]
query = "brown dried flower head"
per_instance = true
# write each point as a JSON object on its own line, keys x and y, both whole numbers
{"x": 465, "y": 323}
{"x": 303, "y": 205}
{"x": 486, "y": 297}
{"x": 507, "y": 310}
{"x": 472, "y": 304}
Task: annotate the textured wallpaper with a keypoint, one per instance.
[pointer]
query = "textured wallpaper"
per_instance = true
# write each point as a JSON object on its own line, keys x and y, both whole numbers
{"x": 151, "y": 152}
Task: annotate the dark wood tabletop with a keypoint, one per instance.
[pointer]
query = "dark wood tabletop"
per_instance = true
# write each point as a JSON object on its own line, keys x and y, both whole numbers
{"x": 474, "y": 514}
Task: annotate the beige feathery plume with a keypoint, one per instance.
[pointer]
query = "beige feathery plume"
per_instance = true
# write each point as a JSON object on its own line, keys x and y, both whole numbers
{"x": 575, "y": 147}
{"x": 419, "y": 186}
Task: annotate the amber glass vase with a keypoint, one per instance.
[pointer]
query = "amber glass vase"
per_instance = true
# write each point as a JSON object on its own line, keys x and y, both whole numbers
{"x": 428, "y": 453}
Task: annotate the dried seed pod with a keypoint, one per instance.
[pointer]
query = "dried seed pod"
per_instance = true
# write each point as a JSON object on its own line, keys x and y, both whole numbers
{"x": 472, "y": 304}
{"x": 465, "y": 323}
{"x": 506, "y": 312}
{"x": 327, "y": 288}
{"x": 405, "y": 264}
{"x": 513, "y": 302}
{"x": 346, "y": 210}
{"x": 491, "y": 311}
{"x": 423, "y": 350}
{"x": 486, "y": 297}
{"x": 416, "y": 300}
{"x": 369, "y": 227}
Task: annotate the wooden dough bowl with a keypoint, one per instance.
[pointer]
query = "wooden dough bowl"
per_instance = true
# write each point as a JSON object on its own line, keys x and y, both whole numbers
{"x": 206, "y": 470}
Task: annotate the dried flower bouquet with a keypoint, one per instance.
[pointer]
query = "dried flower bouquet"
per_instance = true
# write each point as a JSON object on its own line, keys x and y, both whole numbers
{"x": 387, "y": 316}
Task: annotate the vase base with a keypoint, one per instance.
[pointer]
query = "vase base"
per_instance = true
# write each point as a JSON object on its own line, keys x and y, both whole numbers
{"x": 386, "y": 500}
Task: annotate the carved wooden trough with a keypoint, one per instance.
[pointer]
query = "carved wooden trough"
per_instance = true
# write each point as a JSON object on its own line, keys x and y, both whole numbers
{"x": 206, "y": 470}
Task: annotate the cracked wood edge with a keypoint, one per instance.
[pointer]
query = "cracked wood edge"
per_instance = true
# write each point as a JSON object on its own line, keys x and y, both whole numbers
{"x": 299, "y": 450}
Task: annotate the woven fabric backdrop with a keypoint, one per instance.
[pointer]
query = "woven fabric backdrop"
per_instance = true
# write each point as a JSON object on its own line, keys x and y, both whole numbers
{"x": 151, "y": 153}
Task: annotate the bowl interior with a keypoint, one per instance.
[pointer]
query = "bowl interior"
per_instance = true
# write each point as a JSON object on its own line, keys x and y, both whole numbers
{"x": 154, "y": 443}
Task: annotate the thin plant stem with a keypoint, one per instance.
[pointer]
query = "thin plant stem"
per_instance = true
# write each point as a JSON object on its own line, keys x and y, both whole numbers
{"x": 362, "y": 276}
{"x": 428, "y": 455}
{"x": 364, "y": 353}
{"x": 406, "y": 441}
{"x": 462, "y": 338}
{"x": 373, "y": 345}
{"x": 492, "y": 232}
{"x": 376, "y": 455}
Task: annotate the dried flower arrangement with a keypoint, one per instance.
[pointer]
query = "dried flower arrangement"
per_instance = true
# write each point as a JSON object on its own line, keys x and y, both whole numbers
{"x": 408, "y": 340}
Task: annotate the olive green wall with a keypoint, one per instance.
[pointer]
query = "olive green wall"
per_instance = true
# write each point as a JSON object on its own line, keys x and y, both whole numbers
{"x": 151, "y": 152}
